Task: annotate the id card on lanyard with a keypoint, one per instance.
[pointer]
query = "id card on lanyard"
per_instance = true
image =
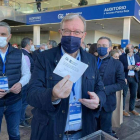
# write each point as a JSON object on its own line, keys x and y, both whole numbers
{"x": 4, "y": 79}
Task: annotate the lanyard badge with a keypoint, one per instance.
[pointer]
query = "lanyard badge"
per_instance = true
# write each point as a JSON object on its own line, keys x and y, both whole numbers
{"x": 4, "y": 79}
{"x": 74, "y": 113}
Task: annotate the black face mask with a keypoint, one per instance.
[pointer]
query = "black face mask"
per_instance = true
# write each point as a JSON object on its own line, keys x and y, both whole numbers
{"x": 127, "y": 51}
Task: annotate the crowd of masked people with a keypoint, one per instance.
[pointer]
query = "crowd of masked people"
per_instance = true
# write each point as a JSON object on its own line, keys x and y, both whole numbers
{"x": 61, "y": 109}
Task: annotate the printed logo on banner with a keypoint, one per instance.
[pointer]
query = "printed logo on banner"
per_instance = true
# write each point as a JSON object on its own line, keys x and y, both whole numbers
{"x": 34, "y": 19}
{"x": 116, "y": 10}
{"x": 61, "y": 16}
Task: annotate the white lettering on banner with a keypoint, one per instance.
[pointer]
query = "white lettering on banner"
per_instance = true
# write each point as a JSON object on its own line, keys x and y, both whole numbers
{"x": 139, "y": 12}
{"x": 114, "y": 10}
{"x": 34, "y": 19}
{"x": 61, "y": 16}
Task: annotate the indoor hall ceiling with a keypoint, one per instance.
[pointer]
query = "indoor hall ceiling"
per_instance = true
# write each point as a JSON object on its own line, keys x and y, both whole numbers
{"x": 111, "y": 26}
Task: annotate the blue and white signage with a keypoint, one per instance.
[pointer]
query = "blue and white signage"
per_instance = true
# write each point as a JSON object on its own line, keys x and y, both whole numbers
{"x": 124, "y": 42}
{"x": 111, "y": 10}
{"x": 137, "y": 10}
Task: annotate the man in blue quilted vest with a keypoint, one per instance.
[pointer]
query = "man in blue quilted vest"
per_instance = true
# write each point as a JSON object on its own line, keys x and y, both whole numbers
{"x": 14, "y": 74}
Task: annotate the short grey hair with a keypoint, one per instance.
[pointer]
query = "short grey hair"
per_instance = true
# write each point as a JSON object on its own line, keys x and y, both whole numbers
{"x": 72, "y": 16}
{"x": 25, "y": 41}
{"x": 43, "y": 44}
{"x": 53, "y": 43}
{"x": 4, "y": 24}
{"x": 113, "y": 52}
{"x": 132, "y": 46}
{"x": 107, "y": 38}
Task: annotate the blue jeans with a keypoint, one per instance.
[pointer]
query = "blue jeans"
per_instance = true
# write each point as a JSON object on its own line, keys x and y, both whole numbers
{"x": 133, "y": 86}
{"x": 12, "y": 116}
{"x": 75, "y": 136}
{"x": 24, "y": 103}
{"x": 105, "y": 122}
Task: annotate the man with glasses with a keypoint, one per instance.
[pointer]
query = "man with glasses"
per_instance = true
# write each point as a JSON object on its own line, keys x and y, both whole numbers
{"x": 112, "y": 74}
{"x": 52, "y": 96}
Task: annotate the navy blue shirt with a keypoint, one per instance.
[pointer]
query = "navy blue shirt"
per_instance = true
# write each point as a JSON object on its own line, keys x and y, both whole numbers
{"x": 103, "y": 65}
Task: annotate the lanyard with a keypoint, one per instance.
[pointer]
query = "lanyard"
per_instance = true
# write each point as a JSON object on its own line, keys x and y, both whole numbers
{"x": 130, "y": 59}
{"x": 99, "y": 63}
{"x": 73, "y": 90}
{"x": 4, "y": 61}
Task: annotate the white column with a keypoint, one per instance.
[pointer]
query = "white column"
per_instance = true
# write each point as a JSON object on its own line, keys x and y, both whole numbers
{"x": 36, "y": 34}
{"x": 126, "y": 28}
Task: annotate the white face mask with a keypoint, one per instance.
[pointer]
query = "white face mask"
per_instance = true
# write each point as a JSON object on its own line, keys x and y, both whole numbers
{"x": 46, "y": 47}
{"x": 87, "y": 49}
{"x": 3, "y": 42}
{"x": 32, "y": 48}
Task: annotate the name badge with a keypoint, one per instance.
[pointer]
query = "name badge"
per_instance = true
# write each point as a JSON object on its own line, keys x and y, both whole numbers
{"x": 74, "y": 113}
{"x": 4, "y": 83}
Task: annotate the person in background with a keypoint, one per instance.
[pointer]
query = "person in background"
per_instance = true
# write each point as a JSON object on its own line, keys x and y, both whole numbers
{"x": 83, "y": 2}
{"x": 115, "y": 48}
{"x": 88, "y": 45}
{"x": 42, "y": 48}
{"x": 93, "y": 50}
{"x": 54, "y": 97}
{"x": 115, "y": 54}
{"x": 14, "y": 70}
{"x": 15, "y": 46}
{"x": 51, "y": 44}
{"x": 129, "y": 61}
{"x": 121, "y": 50}
{"x": 84, "y": 46}
{"x": 38, "y": 3}
{"x": 136, "y": 50}
{"x": 27, "y": 46}
{"x": 112, "y": 74}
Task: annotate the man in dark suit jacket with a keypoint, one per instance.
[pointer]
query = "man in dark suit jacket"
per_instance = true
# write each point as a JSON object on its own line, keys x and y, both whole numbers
{"x": 52, "y": 96}
{"x": 112, "y": 73}
{"x": 129, "y": 61}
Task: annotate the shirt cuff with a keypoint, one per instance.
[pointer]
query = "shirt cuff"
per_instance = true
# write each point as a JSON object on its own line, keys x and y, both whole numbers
{"x": 56, "y": 102}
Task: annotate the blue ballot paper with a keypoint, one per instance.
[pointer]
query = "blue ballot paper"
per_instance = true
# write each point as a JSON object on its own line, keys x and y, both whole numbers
{"x": 75, "y": 113}
{"x": 4, "y": 83}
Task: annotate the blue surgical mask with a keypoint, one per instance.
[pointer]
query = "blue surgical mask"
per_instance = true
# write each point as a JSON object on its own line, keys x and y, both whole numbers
{"x": 102, "y": 51}
{"x": 70, "y": 43}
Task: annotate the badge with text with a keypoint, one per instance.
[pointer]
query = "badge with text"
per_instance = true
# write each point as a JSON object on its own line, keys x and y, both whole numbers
{"x": 70, "y": 66}
{"x": 4, "y": 83}
{"x": 74, "y": 113}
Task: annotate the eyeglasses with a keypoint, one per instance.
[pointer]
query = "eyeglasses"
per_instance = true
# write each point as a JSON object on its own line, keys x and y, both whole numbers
{"x": 68, "y": 32}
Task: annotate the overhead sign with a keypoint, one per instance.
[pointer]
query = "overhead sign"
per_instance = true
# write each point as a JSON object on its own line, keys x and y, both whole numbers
{"x": 111, "y": 10}
{"x": 137, "y": 10}
{"x": 124, "y": 42}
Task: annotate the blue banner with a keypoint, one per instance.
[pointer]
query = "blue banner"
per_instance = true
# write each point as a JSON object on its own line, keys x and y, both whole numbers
{"x": 124, "y": 42}
{"x": 137, "y": 10}
{"x": 111, "y": 10}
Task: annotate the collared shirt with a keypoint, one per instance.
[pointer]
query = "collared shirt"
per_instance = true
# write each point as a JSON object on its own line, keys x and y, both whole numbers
{"x": 131, "y": 61}
{"x": 25, "y": 72}
{"x": 27, "y": 59}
